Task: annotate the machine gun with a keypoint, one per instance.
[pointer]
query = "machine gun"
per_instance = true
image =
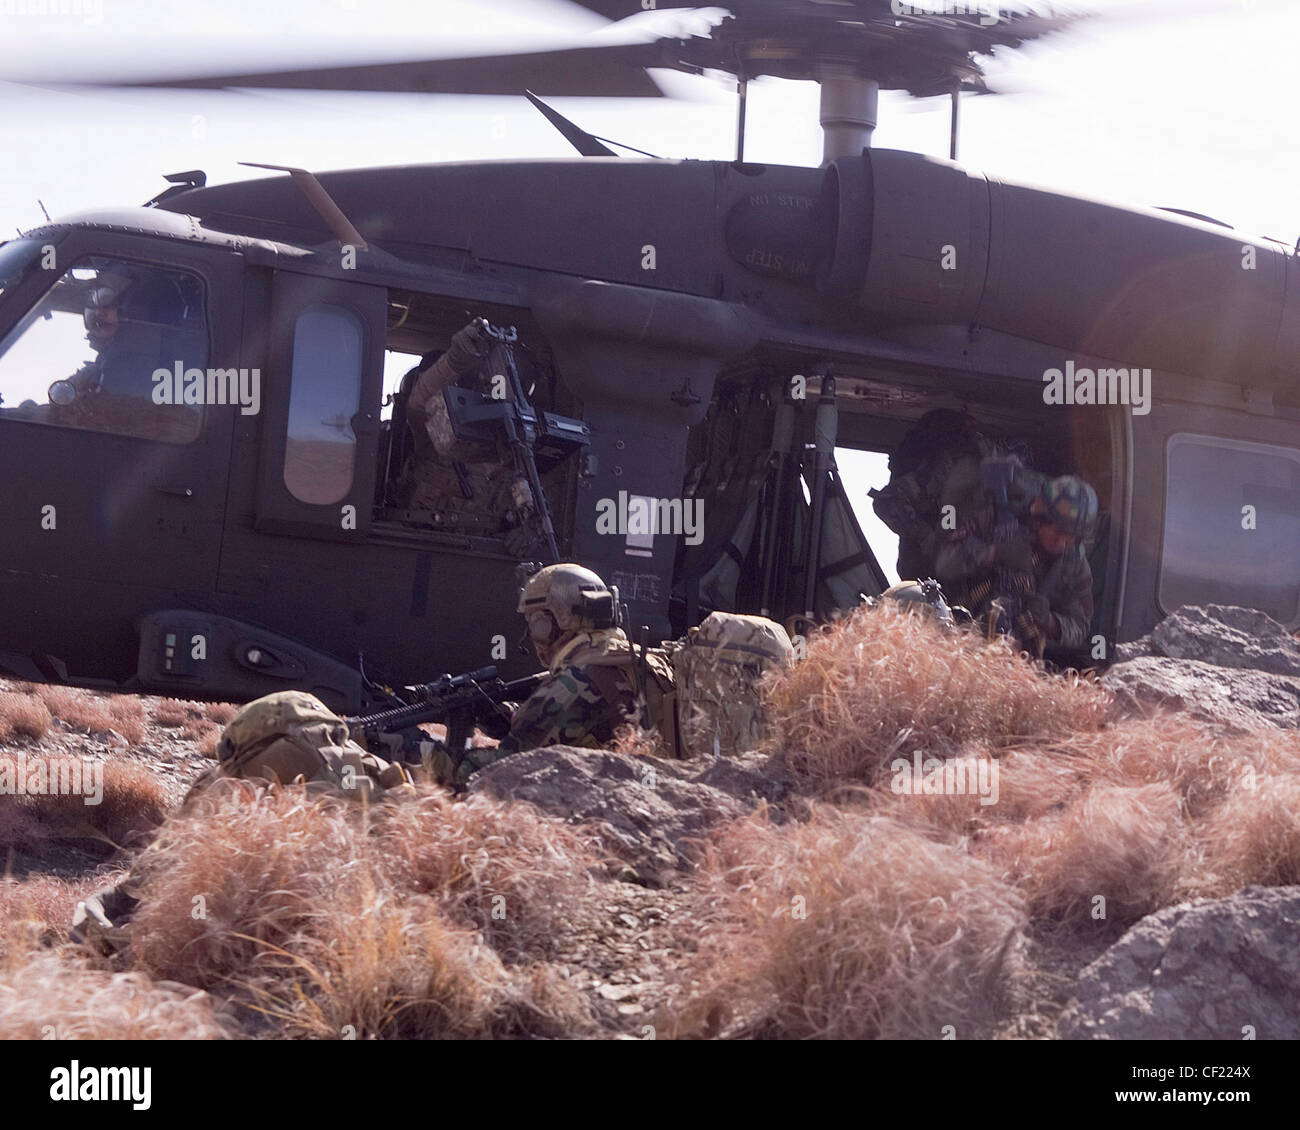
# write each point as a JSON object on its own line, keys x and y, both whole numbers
{"x": 460, "y": 702}
{"x": 537, "y": 440}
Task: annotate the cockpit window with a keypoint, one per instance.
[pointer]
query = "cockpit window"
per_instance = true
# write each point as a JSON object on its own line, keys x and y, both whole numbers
{"x": 16, "y": 258}
{"x": 112, "y": 346}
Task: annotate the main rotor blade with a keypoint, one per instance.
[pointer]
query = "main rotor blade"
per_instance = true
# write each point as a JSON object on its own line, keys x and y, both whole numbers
{"x": 614, "y": 71}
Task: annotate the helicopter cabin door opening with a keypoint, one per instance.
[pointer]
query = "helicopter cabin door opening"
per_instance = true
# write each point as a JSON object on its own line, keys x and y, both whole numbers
{"x": 755, "y": 462}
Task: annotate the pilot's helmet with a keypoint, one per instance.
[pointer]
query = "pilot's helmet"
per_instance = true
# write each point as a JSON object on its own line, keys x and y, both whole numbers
{"x": 101, "y": 316}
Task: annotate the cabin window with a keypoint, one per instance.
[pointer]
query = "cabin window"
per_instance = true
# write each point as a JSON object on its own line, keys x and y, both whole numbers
{"x": 115, "y": 347}
{"x": 1232, "y": 526}
{"x": 320, "y": 451}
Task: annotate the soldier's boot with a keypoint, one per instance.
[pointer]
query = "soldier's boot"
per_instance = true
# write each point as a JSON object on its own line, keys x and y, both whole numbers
{"x": 101, "y": 917}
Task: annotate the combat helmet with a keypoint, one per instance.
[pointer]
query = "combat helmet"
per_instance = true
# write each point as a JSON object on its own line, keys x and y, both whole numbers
{"x": 1071, "y": 505}
{"x": 271, "y": 719}
{"x": 565, "y": 598}
{"x": 927, "y": 594}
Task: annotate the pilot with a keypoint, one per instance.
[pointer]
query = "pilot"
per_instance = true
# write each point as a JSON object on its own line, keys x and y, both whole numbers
{"x": 590, "y": 688}
{"x": 470, "y": 485}
{"x": 128, "y": 350}
{"x": 1037, "y": 574}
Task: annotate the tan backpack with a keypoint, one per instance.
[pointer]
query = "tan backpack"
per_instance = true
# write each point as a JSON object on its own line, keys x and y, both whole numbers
{"x": 718, "y": 666}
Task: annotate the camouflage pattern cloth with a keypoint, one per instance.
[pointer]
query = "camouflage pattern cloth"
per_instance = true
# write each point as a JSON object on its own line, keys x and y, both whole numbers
{"x": 291, "y": 735}
{"x": 910, "y": 504}
{"x": 1060, "y": 586}
{"x": 589, "y": 693}
{"x": 966, "y": 548}
{"x": 446, "y": 469}
{"x": 718, "y": 669}
{"x": 284, "y": 737}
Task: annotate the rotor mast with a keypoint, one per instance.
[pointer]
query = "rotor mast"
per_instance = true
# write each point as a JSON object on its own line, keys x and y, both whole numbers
{"x": 848, "y": 111}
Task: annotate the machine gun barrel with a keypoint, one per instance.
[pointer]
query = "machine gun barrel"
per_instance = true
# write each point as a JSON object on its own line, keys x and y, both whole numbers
{"x": 458, "y": 701}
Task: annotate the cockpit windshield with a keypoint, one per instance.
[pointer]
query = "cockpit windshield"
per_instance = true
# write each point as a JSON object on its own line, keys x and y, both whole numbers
{"x": 16, "y": 259}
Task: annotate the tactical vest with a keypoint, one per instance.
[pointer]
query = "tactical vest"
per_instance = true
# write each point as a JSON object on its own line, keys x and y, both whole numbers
{"x": 701, "y": 692}
{"x": 652, "y": 679}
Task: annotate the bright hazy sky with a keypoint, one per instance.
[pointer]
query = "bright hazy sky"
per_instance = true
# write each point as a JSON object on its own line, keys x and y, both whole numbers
{"x": 1185, "y": 103}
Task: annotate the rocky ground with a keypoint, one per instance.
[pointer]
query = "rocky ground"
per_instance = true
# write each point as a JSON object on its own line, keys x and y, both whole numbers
{"x": 1198, "y": 968}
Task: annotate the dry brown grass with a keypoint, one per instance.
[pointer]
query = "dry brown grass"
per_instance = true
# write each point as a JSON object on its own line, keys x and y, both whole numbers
{"x": 850, "y": 926}
{"x": 320, "y": 913}
{"x": 94, "y": 713}
{"x": 171, "y": 711}
{"x": 400, "y": 971}
{"x": 23, "y": 714}
{"x": 882, "y": 684}
{"x": 1200, "y": 763}
{"x": 502, "y": 867}
{"x": 39, "y": 907}
{"x": 1253, "y": 836}
{"x": 246, "y": 869}
{"x": 220, "y": 712}
{"x": 133, "y": 803}
{"x": 636, "y": 742}
{"x": 1126, "y": 845}
{"x": 54, "y": 994}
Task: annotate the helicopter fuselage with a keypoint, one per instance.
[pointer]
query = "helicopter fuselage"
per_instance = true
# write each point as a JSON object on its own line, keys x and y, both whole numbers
{"x": 672, "y": 307}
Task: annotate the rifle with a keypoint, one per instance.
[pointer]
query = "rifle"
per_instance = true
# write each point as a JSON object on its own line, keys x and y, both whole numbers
{"x": 459, "y": 702}
{"x": 521, "y": 426}
{"x": 1007, "y": 612}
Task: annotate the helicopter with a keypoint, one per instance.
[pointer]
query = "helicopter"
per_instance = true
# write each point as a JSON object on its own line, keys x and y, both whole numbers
{"x": 690, "y": 337}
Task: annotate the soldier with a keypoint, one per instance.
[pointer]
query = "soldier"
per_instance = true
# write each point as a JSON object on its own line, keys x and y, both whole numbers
{"x": 925, "y": 596}
{"x": 470, "y": 485}
{"x": 594, "y": 680}
{"x": 1037, "y": 575}
{"x": 280, "y": 738}
{"x": 941, "y": 442}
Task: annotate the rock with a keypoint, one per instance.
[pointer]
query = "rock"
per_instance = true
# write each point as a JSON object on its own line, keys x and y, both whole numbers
{"x": 1210, "y": 969}
{"x": 1236, "y": 667}
{"x": 649, "y": 811}
{"x": 1223, "y": 635}
{"x": 1236, "y": 699}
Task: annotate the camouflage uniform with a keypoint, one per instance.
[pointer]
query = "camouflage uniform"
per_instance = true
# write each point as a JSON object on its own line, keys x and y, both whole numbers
{"x": 590, "y": 690}
{"x": 290, "y": 735}
{"x": 446, "y": 469}
{"x": 283, "y": 737}
{"x": 910, "y": 504}
{"x": 969, "y": 578}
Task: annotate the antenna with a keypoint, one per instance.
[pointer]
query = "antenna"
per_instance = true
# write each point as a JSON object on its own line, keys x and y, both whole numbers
{"x": 322, "y": 201}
